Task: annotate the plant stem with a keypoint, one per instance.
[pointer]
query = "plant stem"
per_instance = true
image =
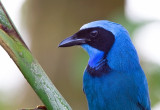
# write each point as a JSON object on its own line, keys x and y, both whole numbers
{"x": 11, "y": 41}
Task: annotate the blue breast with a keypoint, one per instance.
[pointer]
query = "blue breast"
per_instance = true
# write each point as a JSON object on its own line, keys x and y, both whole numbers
{"x": 112, "y": 92}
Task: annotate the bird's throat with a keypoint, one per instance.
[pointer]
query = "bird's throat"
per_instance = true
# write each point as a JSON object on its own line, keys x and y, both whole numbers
{"x": 102, "y": 69}
{"x": 98, "y": 66}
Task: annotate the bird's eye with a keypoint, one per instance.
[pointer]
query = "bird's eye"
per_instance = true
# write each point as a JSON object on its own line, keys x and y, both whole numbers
{"x": 94, "y": 33}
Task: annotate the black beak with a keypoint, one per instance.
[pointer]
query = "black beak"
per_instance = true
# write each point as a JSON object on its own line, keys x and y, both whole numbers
{"x": 71, "y": 41}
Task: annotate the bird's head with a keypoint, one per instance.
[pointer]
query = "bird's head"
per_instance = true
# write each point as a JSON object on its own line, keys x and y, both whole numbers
{"x": 99, "y": 38}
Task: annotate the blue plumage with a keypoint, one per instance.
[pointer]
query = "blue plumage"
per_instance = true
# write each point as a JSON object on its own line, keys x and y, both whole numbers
{"x": 113, "y": 79}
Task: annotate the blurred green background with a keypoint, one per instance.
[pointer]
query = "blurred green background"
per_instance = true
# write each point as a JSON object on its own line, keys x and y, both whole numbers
{"x": 47, "y": 23}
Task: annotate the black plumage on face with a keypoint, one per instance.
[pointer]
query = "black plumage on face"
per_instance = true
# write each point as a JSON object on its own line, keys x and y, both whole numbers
{"x": 97, "y": 37}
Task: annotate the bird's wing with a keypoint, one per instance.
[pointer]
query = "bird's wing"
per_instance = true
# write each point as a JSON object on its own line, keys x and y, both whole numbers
{"x": 143, "y": 99}
{"x": 142, "y": 107}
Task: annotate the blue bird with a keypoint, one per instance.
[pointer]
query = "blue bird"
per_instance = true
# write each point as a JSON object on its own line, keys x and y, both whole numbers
{"x": 113, "y": 78}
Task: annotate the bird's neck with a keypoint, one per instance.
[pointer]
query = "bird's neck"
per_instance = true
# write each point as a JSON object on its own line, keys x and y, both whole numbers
{"x": 96, "y": 57}
{"x": 97, "y": 64}
{"x": 96, "y": 60}
{"x": 123, "y": 57}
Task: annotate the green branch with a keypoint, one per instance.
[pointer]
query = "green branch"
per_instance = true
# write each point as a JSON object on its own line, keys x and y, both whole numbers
{"x": 11, "y": 41}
